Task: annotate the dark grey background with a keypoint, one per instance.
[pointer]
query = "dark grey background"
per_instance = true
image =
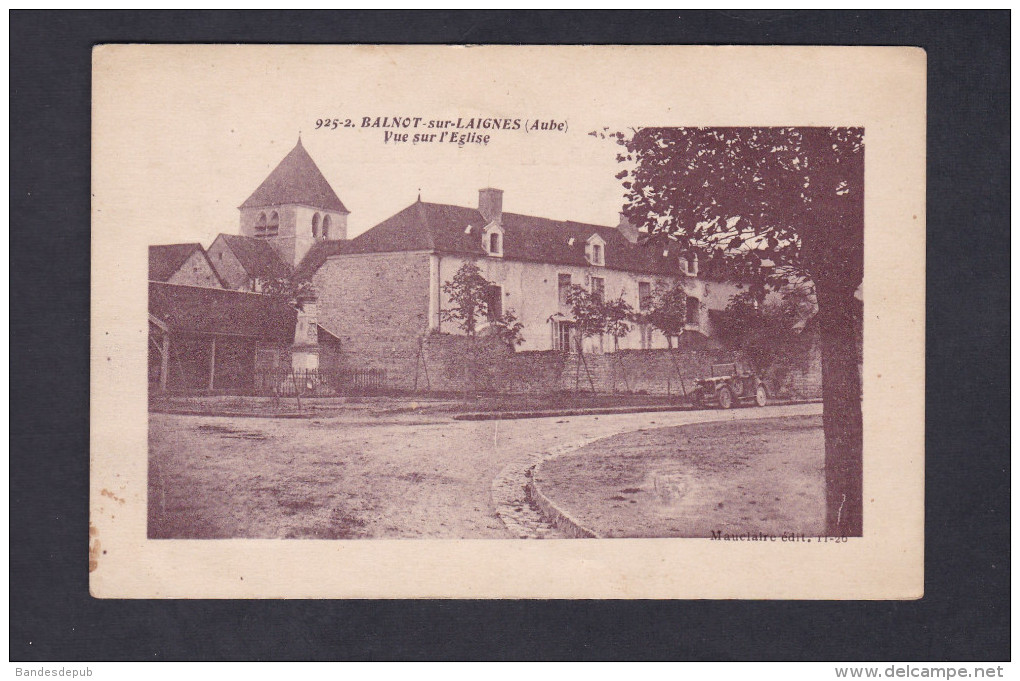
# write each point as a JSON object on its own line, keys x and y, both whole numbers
{"x": 965, "y": 612}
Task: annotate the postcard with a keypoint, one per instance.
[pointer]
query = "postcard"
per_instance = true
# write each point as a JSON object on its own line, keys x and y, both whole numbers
{"x": 607, "y": 322}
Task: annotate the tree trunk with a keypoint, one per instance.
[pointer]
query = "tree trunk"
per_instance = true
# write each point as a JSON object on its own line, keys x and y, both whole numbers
{"x": 839, "y": 327}
{"x": 587, "y": 371}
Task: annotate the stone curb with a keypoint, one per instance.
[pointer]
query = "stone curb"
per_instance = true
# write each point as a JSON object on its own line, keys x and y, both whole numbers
{"x": 554, "y": 514}
{"x": 525, "y": 511}
{"x": 598, "y": 411}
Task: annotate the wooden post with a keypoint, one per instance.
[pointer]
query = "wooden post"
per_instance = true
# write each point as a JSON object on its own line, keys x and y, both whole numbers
{"x": 164, "y": 361}
{"x": 212, "y": 364}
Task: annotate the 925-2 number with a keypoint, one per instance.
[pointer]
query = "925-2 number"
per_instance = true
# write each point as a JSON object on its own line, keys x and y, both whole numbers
{"x": 333, "y": 123}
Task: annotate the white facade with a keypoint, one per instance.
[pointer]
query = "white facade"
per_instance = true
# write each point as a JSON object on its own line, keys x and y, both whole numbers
{"x": 533, "y": 292}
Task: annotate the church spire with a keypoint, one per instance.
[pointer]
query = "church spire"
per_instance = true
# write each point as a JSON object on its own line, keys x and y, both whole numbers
{"x": 296, "y": 180}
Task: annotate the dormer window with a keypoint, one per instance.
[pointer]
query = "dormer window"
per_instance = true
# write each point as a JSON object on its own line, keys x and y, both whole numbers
{"x": 595, "y": 250}
{"x": 492, "y": 240}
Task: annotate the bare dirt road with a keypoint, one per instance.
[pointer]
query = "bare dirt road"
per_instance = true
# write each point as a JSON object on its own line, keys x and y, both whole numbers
{"x": 396, "y": 476}
{"x": 761, "y": 475}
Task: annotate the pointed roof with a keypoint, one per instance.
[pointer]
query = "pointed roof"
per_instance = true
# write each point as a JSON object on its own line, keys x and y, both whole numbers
{"x": 296, "y": 180}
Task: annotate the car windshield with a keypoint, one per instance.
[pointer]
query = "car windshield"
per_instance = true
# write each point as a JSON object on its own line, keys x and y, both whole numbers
{"x": 724, "y": 369}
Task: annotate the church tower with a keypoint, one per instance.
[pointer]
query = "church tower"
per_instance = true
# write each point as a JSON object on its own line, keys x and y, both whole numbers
{"x": 294, "y": 208}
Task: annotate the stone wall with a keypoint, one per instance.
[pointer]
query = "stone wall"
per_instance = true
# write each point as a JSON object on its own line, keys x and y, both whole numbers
{"x": 457, "y": 363}
{"x": 801, "y": 380}
{"x": 228, "y": 266}
{"x": 378, "y": 305}
{"x": 196, "y": 271}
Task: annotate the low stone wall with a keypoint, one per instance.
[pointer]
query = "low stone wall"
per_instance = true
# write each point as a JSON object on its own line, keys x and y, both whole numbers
{"x": 451, "y": 363}
{"x": 802, "y": 380}
{"x": 656, "y": 372}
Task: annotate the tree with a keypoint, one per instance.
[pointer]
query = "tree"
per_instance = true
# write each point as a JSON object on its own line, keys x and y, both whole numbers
{"x": 792, "y": 197}
{"x": 596, "y": 316}
{"x": 619, "y": 316}
{"x": 668, "y": 312}
{"x": 508, "y": 329}
{"x": 469, "y": 295}
{"x": 287, "y": 289}
{"x": 768, "y": 333}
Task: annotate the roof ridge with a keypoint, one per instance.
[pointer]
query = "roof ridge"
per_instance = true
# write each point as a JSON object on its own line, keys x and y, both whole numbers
{"x": 518, "y": 215}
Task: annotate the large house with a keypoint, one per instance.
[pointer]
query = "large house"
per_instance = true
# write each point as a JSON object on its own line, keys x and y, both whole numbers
{"x": 386, "y": 285}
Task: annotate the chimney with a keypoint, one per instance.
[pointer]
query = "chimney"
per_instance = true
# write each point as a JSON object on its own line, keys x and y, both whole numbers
{"x": 629, "y": 231}
{"x": 490, "y": 204}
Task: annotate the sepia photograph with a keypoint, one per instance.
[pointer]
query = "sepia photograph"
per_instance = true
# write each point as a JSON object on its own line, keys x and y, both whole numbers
{"x": 399, "y": 300}
{"x": 358, "y": 385}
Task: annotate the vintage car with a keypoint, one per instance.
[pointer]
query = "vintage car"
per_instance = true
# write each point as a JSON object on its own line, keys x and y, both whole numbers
{"x": 729, "y": 385}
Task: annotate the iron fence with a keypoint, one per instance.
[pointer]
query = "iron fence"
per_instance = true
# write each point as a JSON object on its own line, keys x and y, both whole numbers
{"x": 312, "y": 382}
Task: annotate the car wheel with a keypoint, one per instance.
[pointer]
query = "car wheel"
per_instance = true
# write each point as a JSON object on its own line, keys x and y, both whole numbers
{"x": 725, "y": 398}
{"x": 761, "y": 397}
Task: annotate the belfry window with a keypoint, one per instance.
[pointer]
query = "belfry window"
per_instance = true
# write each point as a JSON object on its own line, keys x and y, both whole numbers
{"x": 260, "y": 225}
{"x": 316, "y": 232}
{"x": 326, "y": 224}
{"x": 273, "y": 226}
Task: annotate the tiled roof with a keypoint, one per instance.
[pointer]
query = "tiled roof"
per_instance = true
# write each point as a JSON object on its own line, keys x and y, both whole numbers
{"x": 191, "y": 309}
{"x": 443, "y": 228}
{"x": 165, "y": 260}
{"x": 258, "y": 258}
{"x": 296, "y": 180}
